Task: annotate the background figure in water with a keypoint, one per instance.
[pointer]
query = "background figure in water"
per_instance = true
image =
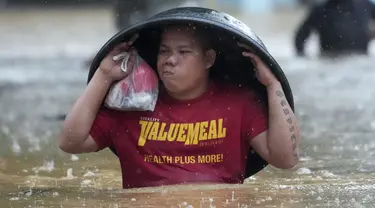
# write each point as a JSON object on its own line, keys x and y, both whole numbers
{"x": 343, "y": 27}
{"x": 130, "y": 12}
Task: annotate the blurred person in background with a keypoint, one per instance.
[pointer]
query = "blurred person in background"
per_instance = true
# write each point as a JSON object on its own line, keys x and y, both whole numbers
{"x": 128, "y": 12}
{"x": 344, "y": 27}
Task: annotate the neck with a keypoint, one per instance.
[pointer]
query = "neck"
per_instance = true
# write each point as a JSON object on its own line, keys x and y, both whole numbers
{"x": 191, "y": 93}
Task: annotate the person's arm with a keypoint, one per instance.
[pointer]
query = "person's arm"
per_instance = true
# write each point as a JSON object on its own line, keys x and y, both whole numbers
{"x": 85, "y": 128}
{"x": 279, "y": 145}
{"x": 304, "y": 31}
{"x": 74, "y": 136}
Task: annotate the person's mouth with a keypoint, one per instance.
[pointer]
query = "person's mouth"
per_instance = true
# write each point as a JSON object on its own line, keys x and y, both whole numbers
{"x": 167, "y": 73}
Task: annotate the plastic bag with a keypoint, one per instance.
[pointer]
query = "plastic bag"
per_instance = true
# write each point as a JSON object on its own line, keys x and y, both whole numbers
{"x": 136, "y": 92}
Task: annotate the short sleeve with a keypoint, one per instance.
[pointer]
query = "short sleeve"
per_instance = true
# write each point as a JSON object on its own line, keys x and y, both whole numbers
{"x": 254, "y": 117}
{"x": 100, "y": 129}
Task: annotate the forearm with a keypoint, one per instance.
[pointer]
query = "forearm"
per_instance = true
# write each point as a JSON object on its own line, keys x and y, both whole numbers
{"x": 283, "y": 133}
{"x": 78, "y": 122}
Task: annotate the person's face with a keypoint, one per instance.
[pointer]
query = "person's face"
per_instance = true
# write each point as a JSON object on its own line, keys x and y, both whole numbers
{"x": 182, "y": 63}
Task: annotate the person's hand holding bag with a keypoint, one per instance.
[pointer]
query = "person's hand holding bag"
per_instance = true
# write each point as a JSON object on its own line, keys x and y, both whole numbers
{"x": 138, "y": 88}
{"x": 111, "y": 64}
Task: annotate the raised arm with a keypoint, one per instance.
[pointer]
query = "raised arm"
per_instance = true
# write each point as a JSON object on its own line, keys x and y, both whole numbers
{"x": 279, "y": 145}
{"x": 74, "y": 136}
{"x": 75, "y": 133}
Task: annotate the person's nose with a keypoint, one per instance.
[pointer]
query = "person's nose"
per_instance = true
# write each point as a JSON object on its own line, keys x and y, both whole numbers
{"x": 172, "y": 59}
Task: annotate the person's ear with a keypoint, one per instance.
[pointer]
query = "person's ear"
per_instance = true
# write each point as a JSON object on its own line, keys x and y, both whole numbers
{"x": 210, "y": 57}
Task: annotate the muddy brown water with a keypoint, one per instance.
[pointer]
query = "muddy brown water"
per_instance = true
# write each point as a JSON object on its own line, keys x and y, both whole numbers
{"x": 41, "y": 74}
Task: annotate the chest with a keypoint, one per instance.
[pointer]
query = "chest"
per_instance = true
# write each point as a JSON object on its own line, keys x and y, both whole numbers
{"x": 181, "y": 129}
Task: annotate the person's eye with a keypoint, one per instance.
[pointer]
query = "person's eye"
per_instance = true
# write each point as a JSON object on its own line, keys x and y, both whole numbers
{"x": 161, "y": 51}
{"x": 185, "y": 51}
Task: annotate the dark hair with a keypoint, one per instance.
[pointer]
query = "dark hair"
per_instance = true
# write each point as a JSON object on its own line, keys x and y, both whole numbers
{"x": 201, "y": 33}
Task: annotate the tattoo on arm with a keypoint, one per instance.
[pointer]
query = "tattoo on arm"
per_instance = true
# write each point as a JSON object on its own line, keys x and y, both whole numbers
{"x": 295, "y": 153}
{"x": 293, "y": 137}
{"x": 286, "y": 111}
{"x": 283, "y": 103}
{"x": 289, "y": 120}
{"x": 279, "y": 93}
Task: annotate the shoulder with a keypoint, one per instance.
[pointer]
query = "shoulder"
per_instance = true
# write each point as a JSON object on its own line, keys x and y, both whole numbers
{"x": 107, "y": 112}
{"x": 111, "y": 115}
{"x": 317, "y": 9}
{"x": 119, "y": 117}
{"x": 239, "y": 93}
{"x": 318, "y": 5}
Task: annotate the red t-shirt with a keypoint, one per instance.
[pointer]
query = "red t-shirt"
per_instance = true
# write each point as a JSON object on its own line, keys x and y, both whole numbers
{"x": 200, "y": 140}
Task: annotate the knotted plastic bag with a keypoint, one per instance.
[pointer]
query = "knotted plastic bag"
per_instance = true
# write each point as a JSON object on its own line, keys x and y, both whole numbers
{"x": 136, "y": 92}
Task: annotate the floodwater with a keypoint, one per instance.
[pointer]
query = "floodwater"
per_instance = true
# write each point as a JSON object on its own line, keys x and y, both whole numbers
{"x": 42, "y": 73}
